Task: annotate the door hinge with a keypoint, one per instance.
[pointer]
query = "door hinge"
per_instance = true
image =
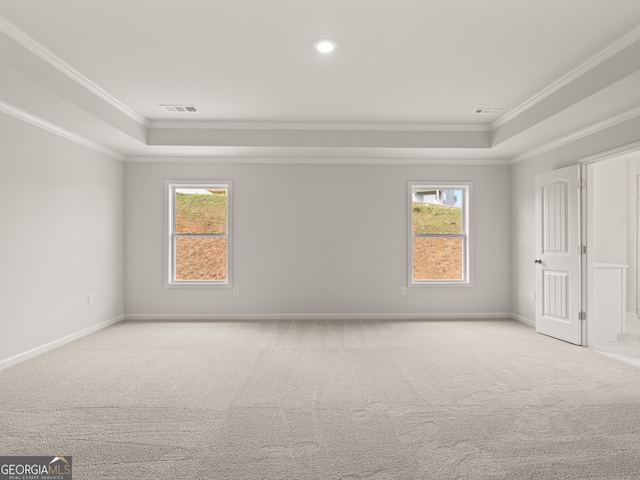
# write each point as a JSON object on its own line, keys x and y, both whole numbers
{"x": 582, "y": 249}
{"x": 582, "y": 316}
{"x": 582, "y": 183}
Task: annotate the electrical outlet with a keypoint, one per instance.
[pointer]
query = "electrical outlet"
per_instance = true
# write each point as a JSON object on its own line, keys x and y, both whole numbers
{"x": 403, "y": 290}
{"x": 236, "y": 290}
{"x": 533, "y": 295}
{"x": 90, "y": 299}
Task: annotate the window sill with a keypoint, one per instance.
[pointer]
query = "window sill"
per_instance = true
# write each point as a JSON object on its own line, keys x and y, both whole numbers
{"x": 432, "y": 284}
{"x": 196, "y": 284}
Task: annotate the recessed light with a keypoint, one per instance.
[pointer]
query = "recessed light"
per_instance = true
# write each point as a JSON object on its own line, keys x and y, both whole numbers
{"x": 325, "y": 45}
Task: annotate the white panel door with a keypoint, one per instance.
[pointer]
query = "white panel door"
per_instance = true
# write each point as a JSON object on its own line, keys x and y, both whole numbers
{"x": 558, "y": 254}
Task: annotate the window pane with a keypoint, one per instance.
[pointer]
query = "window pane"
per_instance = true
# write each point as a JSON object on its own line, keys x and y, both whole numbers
{"x": 437, "y": 258}
{"x": 201, "y": 211}
{"x": 201, "y": 258}
{"x": 436, "y": 211}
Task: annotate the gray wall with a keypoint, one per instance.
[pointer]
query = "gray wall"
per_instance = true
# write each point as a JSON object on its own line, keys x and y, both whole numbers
{"x": 308, "y": 239}
{"x": 316, "y": 239}
{"x": 61, "y": 207}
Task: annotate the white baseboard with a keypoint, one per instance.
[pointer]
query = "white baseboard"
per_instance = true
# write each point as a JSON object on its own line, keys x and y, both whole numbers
{"x": 56, "y": 343}
{"x": 526, "y": 321}
{"x": 312, "y": 316}
{"x": 257, "y": 316}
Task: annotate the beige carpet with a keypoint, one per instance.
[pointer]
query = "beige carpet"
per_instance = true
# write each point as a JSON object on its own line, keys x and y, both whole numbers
{"x": 325, "y": 400}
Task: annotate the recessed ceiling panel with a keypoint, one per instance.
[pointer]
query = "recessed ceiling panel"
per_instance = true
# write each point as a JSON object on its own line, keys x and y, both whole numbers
{"x": 406, "y": 61}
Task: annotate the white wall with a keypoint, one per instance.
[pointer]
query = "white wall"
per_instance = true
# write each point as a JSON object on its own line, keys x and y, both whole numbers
{"x": 61, "y": 208}
{"x": 316, "y": 239}
{"x": 613, "y": 226}
{"x": 610, "y": 189}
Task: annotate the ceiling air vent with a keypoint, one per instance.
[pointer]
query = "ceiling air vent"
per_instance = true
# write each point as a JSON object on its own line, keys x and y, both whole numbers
{"x": 487, "y": 110}
{"x": 180, "y": 108}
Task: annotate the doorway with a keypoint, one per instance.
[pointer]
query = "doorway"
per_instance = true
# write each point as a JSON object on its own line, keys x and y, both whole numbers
{"x": 612, "y": 197}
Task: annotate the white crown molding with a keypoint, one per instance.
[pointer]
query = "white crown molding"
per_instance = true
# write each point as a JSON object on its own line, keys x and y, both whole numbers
{"x": 593, "y": 61}
{"x": 610, "y": 122}
{"x": 38, "y": 49}
{"x": 319, "y": 126}
{"x": 321, "y": 161}
{"x": 612, "y": 153}
{"x": 50, "y": 127}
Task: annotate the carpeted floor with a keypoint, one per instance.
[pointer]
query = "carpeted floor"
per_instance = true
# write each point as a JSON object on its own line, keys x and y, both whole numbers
{"x": 322, "y": 400}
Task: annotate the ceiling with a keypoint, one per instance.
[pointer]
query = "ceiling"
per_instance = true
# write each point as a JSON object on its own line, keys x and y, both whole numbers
{"x": 403, "y": 83}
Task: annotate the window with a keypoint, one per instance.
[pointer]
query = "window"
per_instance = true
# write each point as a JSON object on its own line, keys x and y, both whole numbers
{"x": 439, "y": 234}
{"x": 198, "y": 234}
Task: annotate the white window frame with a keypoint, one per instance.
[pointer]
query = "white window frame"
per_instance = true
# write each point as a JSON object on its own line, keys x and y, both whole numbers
{"x": 466, "y": 235}
{"x": 170, "y": 235}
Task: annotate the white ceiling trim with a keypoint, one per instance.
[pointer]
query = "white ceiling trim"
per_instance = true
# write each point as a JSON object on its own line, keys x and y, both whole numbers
{"x": 38, "y": 49}
{"x": 604, "y": 54}
{"x": 321, "y": 161}
{"x": 320, "y": 126}
{"x": 62, "y": 132}
{"x": 585, "y": 132}
{"x": 613, "y": 153}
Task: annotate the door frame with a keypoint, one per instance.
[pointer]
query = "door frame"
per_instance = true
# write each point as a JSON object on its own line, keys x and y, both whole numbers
{"x": 587, "y": 209}
{"x": 586, "y": 262}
